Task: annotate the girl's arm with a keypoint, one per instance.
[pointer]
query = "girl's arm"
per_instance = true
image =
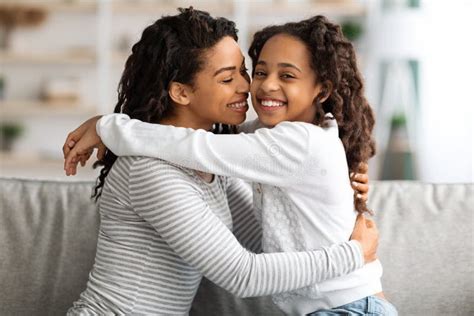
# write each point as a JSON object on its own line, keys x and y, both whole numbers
{"x": 247, "y": 227}
{"x": 271, "y": 156}
{"x": 163, "y": 196}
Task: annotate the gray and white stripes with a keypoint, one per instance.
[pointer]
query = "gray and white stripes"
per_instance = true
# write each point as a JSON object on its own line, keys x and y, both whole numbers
{"x": 163, "y": 228}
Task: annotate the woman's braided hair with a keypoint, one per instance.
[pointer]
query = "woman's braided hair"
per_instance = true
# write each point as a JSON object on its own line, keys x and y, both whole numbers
{"x": 171, "y": 49}
{"x": 333, "y": 59}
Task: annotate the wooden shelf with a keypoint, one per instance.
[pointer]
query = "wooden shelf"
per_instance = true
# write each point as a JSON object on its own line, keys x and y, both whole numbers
{"x": 36, "y": 166}
{"x": 21, "y": 109}
{"x": 73, "y": 6}
{"x": 328, "y": 8}
{"x": 13, "y": 58}
{"x": 169, "y": 7}
{"x": 119, "y": 58}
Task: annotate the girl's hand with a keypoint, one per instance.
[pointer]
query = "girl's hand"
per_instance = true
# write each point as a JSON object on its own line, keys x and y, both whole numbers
{"x": 360, "y": 182}
{"x": 80, "y": 144}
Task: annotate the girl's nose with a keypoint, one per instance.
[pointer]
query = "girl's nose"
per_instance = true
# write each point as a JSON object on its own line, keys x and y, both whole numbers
{"x": 269, "y": 85}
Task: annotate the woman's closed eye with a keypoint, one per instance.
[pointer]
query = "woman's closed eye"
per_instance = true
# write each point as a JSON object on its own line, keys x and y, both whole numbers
{"x": 227, "y": 80}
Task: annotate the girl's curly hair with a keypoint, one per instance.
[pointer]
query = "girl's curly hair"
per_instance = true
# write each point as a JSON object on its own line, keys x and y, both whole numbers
{"x": 171, "y": 49}
{"x": 334, "y": 60}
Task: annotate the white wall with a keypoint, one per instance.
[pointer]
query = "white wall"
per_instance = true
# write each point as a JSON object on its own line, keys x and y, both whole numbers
{"x": 447, "y": 93}
{"x": 439, "y": 35}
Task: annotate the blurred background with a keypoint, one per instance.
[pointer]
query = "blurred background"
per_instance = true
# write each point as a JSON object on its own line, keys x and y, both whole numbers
{"x": 61, "y": 60}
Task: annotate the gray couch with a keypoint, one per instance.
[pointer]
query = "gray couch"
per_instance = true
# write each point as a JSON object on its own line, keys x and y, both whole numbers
{"x": 48, "y": 232}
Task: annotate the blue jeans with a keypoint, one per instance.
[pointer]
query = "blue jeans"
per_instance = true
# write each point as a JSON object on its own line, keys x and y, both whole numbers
{"x": 371, "y": 305}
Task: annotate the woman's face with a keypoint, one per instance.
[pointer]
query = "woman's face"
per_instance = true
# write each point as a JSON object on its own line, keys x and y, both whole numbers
{"x": 221, "y": 88}
{"x": 284, "y": 84}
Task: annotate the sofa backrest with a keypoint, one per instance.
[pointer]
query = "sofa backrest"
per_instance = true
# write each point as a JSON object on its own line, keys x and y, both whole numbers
{"x": 48, "y": 234}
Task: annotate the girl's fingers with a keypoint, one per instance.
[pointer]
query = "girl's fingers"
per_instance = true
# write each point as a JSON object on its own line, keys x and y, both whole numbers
{"x": 68, "y": 144}
{"x": 101, "y": 152}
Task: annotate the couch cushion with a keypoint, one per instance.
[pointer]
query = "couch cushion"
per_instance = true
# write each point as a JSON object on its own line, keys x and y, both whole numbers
{"x": 426, "y": 246}
{"x": 48, "y": 235}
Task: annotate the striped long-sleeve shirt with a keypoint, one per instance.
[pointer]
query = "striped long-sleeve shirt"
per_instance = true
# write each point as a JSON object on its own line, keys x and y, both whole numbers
{"x": 163, "y": 228}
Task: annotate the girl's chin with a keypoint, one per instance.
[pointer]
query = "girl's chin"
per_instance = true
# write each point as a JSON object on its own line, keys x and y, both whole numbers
{"x": 269, "y": 121}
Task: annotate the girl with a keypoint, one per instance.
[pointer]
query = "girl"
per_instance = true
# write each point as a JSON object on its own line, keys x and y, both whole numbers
{"x": 164, "y": 226}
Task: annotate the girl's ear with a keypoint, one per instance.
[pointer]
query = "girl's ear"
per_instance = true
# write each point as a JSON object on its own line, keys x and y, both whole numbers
{"x": 179, "y": 93}
{"x": 326, "y": 90}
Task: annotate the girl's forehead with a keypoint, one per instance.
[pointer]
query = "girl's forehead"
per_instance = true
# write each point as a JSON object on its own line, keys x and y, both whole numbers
{"x": 283, "y": 48}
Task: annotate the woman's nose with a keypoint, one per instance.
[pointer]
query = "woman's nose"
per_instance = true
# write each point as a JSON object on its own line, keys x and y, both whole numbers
{"x": 244, "y": 84}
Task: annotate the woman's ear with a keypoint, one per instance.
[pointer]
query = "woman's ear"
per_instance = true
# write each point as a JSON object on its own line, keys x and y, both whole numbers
{"x": 326, "y": 90}
{"x": 179, "y": 93}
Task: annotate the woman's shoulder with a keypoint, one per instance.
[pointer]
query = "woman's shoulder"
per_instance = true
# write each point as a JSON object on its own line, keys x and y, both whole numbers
{"x": 141, "y": 165}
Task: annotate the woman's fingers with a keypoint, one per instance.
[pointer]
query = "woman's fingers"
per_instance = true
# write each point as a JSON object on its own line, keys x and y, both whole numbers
{"x": 360, "y": 182}
{"x": 360, "y": 187}
{"x": 363, "y": 167}
{"x": 360, "y": 177}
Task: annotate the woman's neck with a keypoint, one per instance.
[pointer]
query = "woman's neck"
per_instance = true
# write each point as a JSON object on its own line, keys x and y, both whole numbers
{"x": 182, "y": 121}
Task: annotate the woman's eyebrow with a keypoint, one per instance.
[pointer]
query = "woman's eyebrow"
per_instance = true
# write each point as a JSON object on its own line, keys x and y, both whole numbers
{"x": 224, "y": 69}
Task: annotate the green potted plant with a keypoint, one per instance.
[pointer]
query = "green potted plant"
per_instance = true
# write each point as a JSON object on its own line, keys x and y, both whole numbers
{"x": 352, "y": 30}
{"x": 9, "y": 132}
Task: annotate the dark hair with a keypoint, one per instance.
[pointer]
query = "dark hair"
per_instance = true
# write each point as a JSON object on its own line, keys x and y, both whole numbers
{"x": 171, "y": 49}
{"x": 333, "y": 59}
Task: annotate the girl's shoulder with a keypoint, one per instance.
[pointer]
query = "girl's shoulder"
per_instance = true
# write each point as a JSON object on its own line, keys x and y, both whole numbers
{"x": 330, "y": 127}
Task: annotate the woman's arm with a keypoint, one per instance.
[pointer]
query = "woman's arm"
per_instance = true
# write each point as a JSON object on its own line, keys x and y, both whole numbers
{"x": 271, "y": 156}
{"x": 246, "y": 221}
{"x": 164, "y": 197}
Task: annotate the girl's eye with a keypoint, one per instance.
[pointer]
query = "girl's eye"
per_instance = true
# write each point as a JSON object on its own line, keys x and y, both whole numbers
{"x": 287, "y": 76}
{"x": 227, "y": 80}
{"x": 259, "y": 73}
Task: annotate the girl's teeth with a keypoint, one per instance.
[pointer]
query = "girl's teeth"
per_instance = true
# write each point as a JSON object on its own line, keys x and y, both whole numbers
{"x": 272, "y": 103}
{"x": 237, "y": 105}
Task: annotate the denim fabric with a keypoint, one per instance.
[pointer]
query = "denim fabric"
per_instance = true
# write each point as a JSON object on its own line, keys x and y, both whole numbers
{"x": 371, "y": 305}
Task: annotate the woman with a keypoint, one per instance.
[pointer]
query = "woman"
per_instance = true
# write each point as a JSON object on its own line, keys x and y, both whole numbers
{"x": 163, "y": 226}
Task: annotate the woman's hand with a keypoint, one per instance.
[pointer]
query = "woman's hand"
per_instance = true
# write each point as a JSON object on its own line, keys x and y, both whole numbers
{"x": 366, "y": 233}
{"x": 360, "y": 182}
{"x": 80, "y": 144}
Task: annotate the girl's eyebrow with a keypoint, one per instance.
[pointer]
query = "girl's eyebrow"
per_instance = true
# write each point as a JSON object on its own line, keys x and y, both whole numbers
{"x": 282, "y": 65}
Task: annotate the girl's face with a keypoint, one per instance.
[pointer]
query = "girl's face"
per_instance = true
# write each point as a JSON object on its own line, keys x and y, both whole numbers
{"x": 284, "y": 84}
{"x": 221, "y": 89}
